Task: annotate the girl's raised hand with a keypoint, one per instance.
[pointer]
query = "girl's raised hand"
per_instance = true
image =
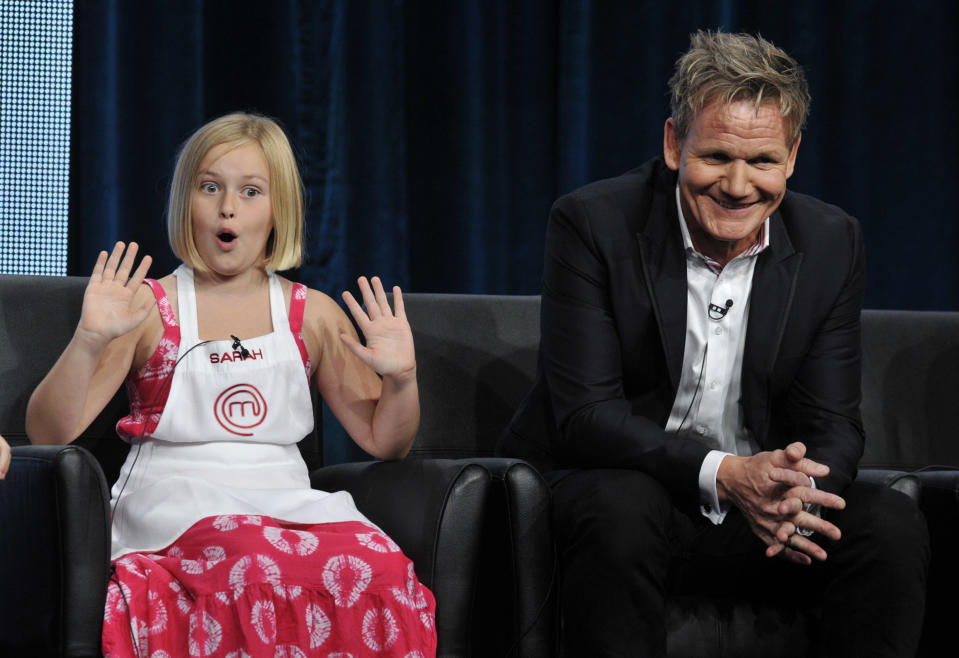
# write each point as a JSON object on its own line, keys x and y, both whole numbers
{"x": 108, "y": 303}
{"x": 389, "y": 340}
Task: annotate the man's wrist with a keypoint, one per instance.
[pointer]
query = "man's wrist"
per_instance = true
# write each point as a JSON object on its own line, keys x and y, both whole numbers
{"x": 726, "y": 474}
{"x": 711, "y": 506}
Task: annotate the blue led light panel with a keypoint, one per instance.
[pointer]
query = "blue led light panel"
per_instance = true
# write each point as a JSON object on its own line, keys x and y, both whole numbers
{"x": 36, "y": 42}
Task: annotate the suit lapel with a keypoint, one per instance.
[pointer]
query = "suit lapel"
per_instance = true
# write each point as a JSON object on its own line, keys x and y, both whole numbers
{"x": 774, "y": 282}
{"x": 664, "y": 269}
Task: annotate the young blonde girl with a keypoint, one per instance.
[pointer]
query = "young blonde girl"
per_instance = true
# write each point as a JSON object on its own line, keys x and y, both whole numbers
{"x": 220, "y": 547}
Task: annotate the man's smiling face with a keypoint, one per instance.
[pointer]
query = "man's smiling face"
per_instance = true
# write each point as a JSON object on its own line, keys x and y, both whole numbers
{"x": 733, "y": 167}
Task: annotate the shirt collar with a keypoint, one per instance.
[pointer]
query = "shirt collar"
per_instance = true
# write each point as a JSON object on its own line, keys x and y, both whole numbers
{"x": 760, "y": 245}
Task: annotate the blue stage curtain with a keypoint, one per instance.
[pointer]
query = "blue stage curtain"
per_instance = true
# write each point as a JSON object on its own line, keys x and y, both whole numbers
{"x": 434, "y": 135}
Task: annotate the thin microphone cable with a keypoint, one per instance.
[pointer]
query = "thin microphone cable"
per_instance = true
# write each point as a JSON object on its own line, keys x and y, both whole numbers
{"x": 133, "y": 631}
{"x": 702, "y": 369}
{"x": 156, "y": 397}
{"x": 113, "y": 570}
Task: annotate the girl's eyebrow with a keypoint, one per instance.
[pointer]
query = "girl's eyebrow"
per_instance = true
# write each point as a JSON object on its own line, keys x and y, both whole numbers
{"x": 215, "y": 174}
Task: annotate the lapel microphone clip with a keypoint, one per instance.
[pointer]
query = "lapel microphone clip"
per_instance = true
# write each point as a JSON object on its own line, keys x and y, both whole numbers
{"x": 245, "y": 353}
{"x": 716, "y": 312}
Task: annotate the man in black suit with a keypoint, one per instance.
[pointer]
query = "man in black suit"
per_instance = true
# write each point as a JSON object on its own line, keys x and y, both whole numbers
{"x": 696, "y": 409}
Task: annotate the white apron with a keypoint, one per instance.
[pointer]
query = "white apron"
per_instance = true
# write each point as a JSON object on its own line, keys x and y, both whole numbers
{"x": 226, "y": 440}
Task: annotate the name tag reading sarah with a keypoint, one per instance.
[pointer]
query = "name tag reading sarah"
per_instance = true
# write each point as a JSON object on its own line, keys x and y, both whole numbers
{"x": 230, "y": 357}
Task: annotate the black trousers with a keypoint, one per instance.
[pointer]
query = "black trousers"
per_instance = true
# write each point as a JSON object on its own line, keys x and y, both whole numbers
{"x": 625, "y": 547}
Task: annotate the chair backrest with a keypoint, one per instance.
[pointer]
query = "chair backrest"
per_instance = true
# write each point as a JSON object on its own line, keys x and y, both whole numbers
{"x": 476, "y": 357}
{"x": 910, "y": 380}
{"x": 38, "y": 315}
{"x": 476, "y": 360}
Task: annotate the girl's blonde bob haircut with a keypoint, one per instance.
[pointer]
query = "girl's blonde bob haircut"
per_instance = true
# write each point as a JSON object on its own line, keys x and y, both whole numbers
{"x": 284, "y": 247}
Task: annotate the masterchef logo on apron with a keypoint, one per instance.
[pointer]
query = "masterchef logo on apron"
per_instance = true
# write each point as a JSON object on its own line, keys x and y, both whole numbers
{"x": 240, "y": 408}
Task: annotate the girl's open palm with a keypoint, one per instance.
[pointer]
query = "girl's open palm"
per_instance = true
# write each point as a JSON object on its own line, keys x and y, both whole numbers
{"x": 108, "y": 303}
{"x": 389, "y": 340}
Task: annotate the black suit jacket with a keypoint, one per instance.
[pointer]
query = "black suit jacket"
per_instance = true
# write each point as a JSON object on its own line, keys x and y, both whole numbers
{"x": 614, "y": 326}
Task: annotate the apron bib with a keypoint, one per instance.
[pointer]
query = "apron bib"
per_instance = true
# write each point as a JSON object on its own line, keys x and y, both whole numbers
{"x": 226, "y": 440}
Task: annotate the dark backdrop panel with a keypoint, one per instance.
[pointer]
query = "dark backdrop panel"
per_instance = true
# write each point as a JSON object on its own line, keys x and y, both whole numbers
{"x": 433, "y": 136}
{"x": 481, "y": 129}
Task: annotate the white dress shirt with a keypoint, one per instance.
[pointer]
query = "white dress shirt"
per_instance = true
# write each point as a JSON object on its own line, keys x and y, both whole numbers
{"x": 708, "y": 406}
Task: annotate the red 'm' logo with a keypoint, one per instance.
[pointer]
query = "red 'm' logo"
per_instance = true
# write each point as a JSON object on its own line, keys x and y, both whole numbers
{"x": 239, "y": 409}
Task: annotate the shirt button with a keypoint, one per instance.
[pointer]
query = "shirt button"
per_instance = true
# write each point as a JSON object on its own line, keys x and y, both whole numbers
{"x": 713, "y": 385}
{"x": 701, "y": 430}
{"x": 718, "y": 331}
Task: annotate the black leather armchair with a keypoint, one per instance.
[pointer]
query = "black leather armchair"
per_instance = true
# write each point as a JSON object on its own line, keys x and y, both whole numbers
{"x": 910, "y": 380}
{"x": 477, "y": 359}
{"x": 476, "y": 355}
{"x": 55, "y": 552}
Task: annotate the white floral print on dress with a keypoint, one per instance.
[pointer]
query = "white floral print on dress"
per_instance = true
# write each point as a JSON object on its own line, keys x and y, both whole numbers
{"x": 378, "y": 542}
{"x": 380, "y": 629}
{"x": 306, "y": 543}
{"x": 346, "y": 577}
{"x": 317, "y": 625}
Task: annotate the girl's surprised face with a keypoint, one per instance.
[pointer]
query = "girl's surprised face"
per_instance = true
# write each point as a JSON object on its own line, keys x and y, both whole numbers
{"x": 231, "y": 210}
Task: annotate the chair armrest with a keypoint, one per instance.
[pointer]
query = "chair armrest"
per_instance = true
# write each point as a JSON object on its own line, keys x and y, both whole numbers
{"x": 940, "y": 504}
{"x": 434, "y": 509}
{"x": 937, "y": 492}
{"x": 901, "y": 481}
{"x": 54, "y": 552}
{"x": 522, "y": 492}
